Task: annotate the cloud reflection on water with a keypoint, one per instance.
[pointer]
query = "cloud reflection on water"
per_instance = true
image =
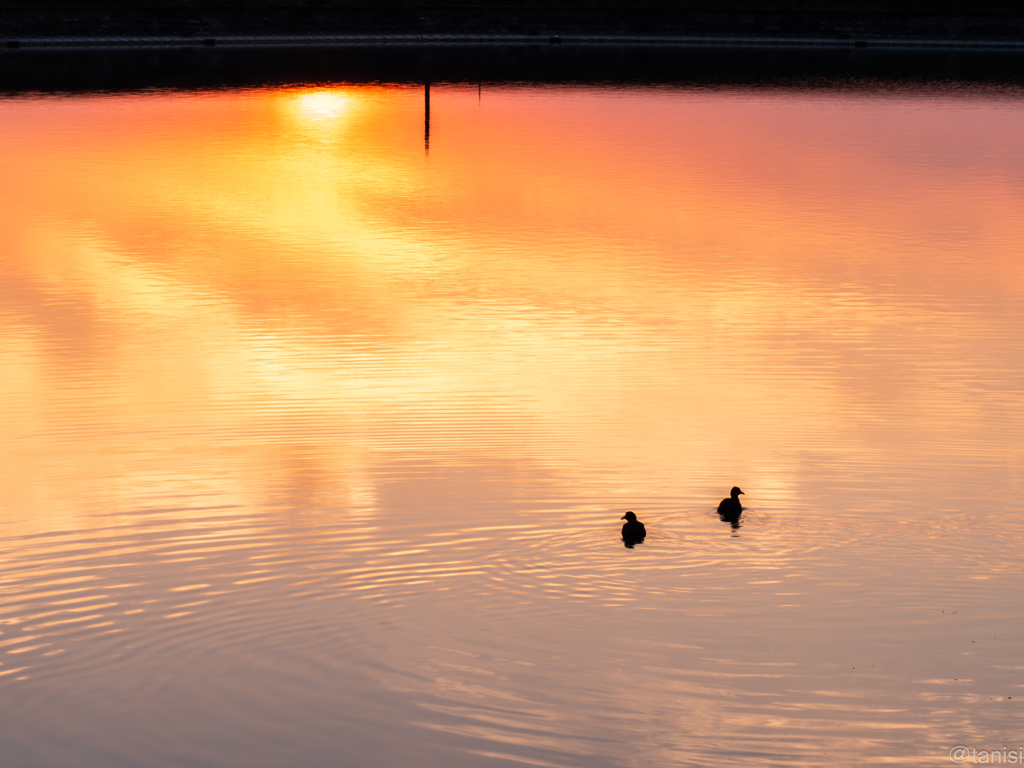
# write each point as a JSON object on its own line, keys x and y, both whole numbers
{"x": 259, "y": 343}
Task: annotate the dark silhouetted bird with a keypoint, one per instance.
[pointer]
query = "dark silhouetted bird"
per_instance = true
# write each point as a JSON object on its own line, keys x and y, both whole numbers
{"x": 732, "y": 504}
{"x": 633, "y": 532}
{"x": 729, "y": 509}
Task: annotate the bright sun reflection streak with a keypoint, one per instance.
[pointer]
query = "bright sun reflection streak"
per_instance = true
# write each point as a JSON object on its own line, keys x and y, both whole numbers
{"x": 322, "y": 104}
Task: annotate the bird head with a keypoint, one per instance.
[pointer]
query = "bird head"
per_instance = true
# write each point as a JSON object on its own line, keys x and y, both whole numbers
{"x": 628, "y": 516}
{"x": 736, "y": 492}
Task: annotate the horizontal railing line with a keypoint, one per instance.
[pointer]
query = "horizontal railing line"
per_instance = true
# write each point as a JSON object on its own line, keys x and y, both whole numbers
{"x": 464, "y": 39}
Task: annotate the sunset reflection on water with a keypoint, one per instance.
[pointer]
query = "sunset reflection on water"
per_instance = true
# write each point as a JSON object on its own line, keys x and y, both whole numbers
{"x": 317, "y": 444}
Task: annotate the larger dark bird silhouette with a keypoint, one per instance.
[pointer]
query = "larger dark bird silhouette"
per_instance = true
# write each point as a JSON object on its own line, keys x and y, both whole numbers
{"x": 633, "y": 532}
{"x": 729, "y": 510}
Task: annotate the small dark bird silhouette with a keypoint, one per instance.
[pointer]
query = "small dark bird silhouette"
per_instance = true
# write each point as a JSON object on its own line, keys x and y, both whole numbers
{"x": 729, "y": 510}
{"x": 633, "y": 532}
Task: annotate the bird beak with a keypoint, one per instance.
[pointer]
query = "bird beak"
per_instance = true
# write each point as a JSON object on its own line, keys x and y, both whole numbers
{"x": 622, "y": 518}
{"x": 742, "y": 493}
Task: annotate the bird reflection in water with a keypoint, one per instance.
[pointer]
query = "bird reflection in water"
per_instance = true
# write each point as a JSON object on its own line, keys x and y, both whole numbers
{"x": 633, "y": 531}
{"x": 730, "y": 509}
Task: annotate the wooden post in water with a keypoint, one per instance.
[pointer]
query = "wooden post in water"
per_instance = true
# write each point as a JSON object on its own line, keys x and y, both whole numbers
{"x": 426, "y": 116}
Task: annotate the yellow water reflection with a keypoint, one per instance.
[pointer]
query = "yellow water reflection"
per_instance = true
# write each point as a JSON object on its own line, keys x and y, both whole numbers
{"x": 278, "y": 244}
{"x": 322, "y": 103}
{"x": 261, "y": 353}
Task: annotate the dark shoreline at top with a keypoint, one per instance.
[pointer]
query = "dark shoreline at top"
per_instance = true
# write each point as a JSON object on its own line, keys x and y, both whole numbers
{"x": 180, "y": 44}
{"x": 849, "y": 70}
{"x": 835, "y": 23}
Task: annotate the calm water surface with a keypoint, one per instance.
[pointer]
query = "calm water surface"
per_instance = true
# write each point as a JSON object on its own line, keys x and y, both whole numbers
{"x": 316, "y": 439}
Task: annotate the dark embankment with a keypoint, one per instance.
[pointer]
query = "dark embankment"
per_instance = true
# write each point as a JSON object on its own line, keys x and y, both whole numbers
{"x": 953, "y": 21}
{"x": 63, "y": 70}
{"x": 61, "y": 45}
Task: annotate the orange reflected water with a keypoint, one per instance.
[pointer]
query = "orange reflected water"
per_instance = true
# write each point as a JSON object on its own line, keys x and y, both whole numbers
{"x": 316, "y": 440}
